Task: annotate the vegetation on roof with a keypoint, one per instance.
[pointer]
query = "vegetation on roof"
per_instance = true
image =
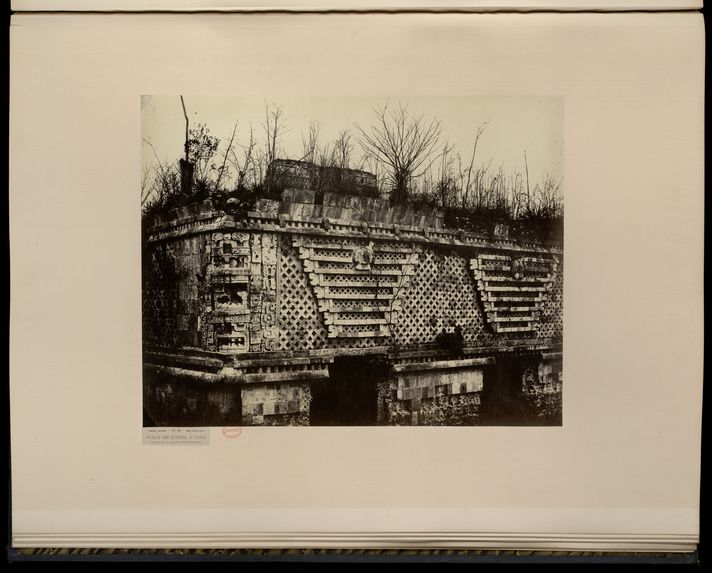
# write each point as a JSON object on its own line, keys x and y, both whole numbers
{"x": 407, "y": 156}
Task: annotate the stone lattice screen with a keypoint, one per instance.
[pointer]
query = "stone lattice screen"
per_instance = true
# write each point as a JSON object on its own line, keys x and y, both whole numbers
{"x": 551, "y": 323}
{"x": 301, "y": 327}
{"x": 440, "y": 294}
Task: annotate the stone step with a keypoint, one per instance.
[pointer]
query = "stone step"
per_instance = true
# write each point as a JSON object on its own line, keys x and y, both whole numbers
{"x": 336, "y": 331}
{"x": 355, "y": 306}
{"x": 532, "y": 298}
{"x": 355, "y": 284}
{"x": 351, "y": 271}
{"x": 498, "y": 328}
{"x": 347, "y": 259}
{"x": 489, "y": 307}
{"x": 511, "y": 319}
{"x": 359, "y": 321}
{"x": 513, "y": 289}
{"x": 365, "y": 296}
{"x": 377, "y": 248}
{"x": 537, "y": 260}
{"x": 493, "y": 267}
{"x": 500, "y": 279}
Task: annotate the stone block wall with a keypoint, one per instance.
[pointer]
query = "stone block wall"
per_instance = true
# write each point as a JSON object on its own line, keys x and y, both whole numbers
{"x": 434, "y": 397}
{"x": 215, "y": 291}
{"x": 348, "y": 208}
{"x": 257, "y": 290}
{"x": 542, "y": 386}
{"x": 173, "y": 291}
{"x": 286, "y": 173}
{"x": 276, "y": 404}
{"x": 291, "y": 173}
{"x": 288, "y": 285}
{"x": 170, "y": 397}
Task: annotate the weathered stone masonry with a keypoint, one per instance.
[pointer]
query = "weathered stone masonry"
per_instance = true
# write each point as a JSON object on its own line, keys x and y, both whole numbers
{"x": 245, "y": 317}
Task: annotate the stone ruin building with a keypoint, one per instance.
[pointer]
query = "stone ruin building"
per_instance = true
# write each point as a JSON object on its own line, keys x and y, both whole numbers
{"x": 285, "y": 173}
{"x": 326, "y": 308}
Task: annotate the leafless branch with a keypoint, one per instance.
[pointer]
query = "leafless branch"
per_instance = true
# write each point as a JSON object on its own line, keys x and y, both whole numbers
{"x": 187, "y": 139}
{"x": 227, "y": 150}
{"x": 402, "y": 141}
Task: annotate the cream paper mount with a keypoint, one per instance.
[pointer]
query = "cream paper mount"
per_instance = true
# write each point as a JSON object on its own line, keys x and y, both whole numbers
{"x": 354, "y": 5}
{"x": 620, "y": 473}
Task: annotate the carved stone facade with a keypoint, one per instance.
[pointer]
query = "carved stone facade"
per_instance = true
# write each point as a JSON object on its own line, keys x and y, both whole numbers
{"x": 290, "y": 173}
{"x": 512, "y": 287}
{"x": 260, "y": 308}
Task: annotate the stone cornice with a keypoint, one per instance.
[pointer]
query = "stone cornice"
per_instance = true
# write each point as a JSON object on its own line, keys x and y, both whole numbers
{"x": 215, "y": 220}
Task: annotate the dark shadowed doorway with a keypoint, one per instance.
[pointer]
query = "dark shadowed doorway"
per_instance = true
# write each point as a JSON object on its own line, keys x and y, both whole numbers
{"x": 348, "y": 397}
{"x": 503, "y": 403}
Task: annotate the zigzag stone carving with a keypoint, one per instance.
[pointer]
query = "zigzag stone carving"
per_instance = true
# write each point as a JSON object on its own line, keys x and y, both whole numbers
{"x": 358, "y": 284}
{"x": 512, "y": 287}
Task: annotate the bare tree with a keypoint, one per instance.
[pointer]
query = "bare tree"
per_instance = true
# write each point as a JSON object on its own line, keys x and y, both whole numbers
{"x": 468, "y": 175}
{"x": 245, "y": 166}
{"x": 343, "y": 149}
{"x": 158, "y": 183}
{"x": 547, "y": 200}
{"x": 517, "y": 196}
{"x": 274, "y": 129}
{"x": 202, "y": 148}
{"x": 259, "y": 166}
{"x": 526, "y": 167}
{"x": 332, "y": 159}
{"x": 186, "y": 167}
{"x": 406, "y": 152}
{"x": 445, "y": 185}
{"x": 373, "y": 165}
{"x": 146, "y": 186}
{"x": 404, "y": 142}
{"x": 228, "y": 149}
{"x": 310, "y": 142}
{"x": 186, "y": 145}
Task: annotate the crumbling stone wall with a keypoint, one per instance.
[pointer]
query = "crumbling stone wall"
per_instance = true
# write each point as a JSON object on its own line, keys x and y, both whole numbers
{"x": 215, "y": 291}
{"x": 240, "y": 291}
{"x": 435, "y": 397}
{"x": 264, "y": 288}
{"x": 170, "y": 397}
{"x": 542, "y": 386}
{"x": 173, "y": 291}
{"x": 286, "y": 173}
{"x": 276, "y": 404}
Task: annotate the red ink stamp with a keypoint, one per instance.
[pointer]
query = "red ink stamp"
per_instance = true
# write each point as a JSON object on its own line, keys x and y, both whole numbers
{"x": 231, "y": 431}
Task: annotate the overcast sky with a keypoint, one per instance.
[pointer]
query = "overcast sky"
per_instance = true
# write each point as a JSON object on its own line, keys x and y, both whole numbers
{"x": 515, "y": 124}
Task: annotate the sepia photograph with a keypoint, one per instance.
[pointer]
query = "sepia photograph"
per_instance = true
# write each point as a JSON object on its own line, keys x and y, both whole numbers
{"x": 314, "y": 261}
{"x": 352, "y": 261}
